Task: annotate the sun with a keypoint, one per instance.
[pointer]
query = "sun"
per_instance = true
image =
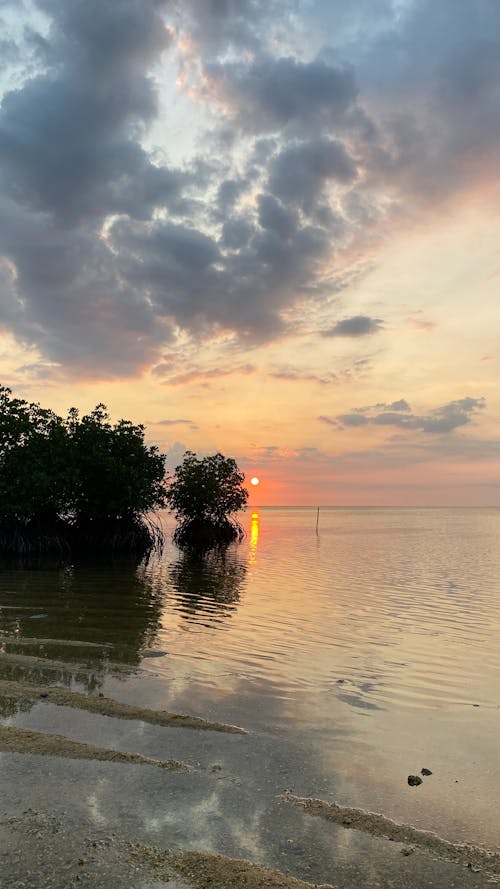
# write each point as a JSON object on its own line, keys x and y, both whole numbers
{"x": 254, "y": 481}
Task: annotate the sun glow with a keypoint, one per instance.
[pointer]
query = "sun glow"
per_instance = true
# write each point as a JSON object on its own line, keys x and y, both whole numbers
{"x": 254, "y": 481}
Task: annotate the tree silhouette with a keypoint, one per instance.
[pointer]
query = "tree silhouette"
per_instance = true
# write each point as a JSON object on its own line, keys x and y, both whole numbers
{"x": 75, "y": 482}
{"x": 205, "y": 494}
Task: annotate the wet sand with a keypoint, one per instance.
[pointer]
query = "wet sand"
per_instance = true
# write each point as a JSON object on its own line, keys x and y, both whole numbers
{"x": 471, "y": 857}
{"x": 202, "y": 869}
{"x": 20, "y": 740}
{"x": 37, "y": 845}
{"x": 115, "y": 862}
{"x": 94, "y": 703}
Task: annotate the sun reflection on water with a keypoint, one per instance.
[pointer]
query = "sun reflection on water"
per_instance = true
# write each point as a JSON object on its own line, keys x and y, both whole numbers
{"x": 254, "y": 537}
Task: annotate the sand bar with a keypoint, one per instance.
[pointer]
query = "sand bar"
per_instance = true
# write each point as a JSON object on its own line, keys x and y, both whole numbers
{"x": 69, "y": 643}
{"x": 469, "y": 856}
{"x": 15, "y": 659}
{"x": 20, "y": 740}
{"x": 202, "y": 869}
{"x": 94, "y": 703}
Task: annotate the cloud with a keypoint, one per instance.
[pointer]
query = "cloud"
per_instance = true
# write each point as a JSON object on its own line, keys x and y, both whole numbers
{"x": 402, "y": 450}
{"x": 65, "y": 293}
{"x": 358, "y": 325}
{"x": 112, "y": 251}
{"x": 69, "y": 139}
{"x": 218, "y": 25}
{"x": 175, "y": 455}
{"x": 302, "y": 169}
{"x": 198, "y": 375}
{"x": 400, "y": 405}
{"x": 176, "y": 423}
{"x": 242, "y": 284}
{"x": 294, "y": 375}
{"x": 452, "y": 415}
{"x": 276, "y": 218}
{"x": 283, "y": 452}
{"x": 450, "y": 140}
{"x": 442, "y": 420}
{"x": 271, "y": 93}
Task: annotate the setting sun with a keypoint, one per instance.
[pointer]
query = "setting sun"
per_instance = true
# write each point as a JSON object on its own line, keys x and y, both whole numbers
{"x": 254, "y": 481}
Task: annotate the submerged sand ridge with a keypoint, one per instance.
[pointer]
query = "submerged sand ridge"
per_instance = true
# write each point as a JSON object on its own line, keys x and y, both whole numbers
{"x": 203, "y": 869}
{"x": 109, "y": 707}
{"x": 34, "y": 662}
{"x": 472, "y": 857}
{"x": 20, "y": 740}
{"x": 67, "y": 643}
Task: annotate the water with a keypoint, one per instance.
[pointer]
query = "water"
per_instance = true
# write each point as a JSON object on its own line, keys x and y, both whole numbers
{"x": 355, "y": 656}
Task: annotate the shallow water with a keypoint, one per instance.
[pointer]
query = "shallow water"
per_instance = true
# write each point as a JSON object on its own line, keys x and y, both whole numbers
{"x": 355, "y": 656}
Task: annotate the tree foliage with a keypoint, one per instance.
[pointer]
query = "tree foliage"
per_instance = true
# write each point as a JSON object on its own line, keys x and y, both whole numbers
{"x": 116, "y": 474}
{"x": 205, "y": 494}
{"x": 75, "y": 480}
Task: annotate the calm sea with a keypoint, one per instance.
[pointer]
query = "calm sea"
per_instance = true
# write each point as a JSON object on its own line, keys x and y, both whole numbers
{"x": 355, "y": 655}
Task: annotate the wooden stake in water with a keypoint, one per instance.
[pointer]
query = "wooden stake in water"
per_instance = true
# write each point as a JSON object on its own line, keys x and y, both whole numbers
{"x": 317, "y": 520}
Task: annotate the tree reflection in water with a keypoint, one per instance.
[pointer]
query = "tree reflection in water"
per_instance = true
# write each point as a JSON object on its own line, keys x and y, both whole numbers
{"x": 111, "y": 608}
{"x": 207, "y": 584}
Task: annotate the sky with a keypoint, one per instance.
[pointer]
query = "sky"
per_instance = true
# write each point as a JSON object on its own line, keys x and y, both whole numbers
{"x": 268, "y": 228}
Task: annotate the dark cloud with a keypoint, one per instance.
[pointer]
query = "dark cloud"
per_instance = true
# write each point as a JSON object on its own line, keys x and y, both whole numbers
{"x": 237, "y": 232}
{"x": 70, "y": 156}
{"x": 400, "y": 405}
{"x": 72, "y": 160}
{"x": 69, "y": 139}
{"x": 344, "y": 420}
{"x": 438, "y": 133}
{"x": 218, "y": 25}
{"x": 228, "y": 193}
{"x": 452, "y": 415}
{"x": 270, "y": 93}
{"x": 68, "y": 296}
{"x": 108, "y": 250}
{"x": 275, "y": 217}
{"x": 301, "y": 170}
{"x": 441, "y": 420}
{"x": 242, "y": 283}
{"x": 358, "y": 325}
